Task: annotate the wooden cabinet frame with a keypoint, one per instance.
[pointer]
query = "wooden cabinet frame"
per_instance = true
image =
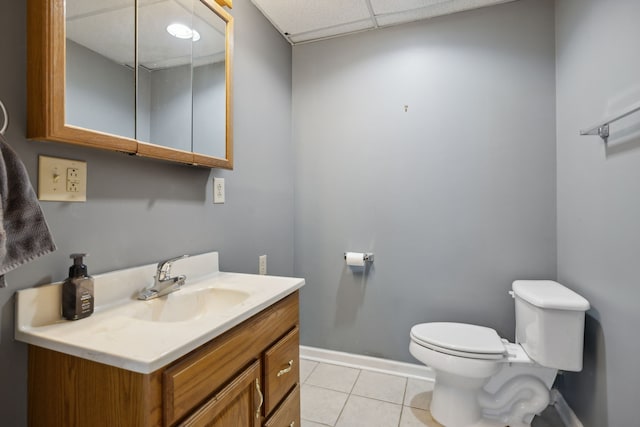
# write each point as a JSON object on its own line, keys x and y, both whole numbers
{"x": 46, "y": 71}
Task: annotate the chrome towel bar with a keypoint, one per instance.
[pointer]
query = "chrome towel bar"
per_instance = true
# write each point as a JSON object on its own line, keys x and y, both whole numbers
{"x": 602, "y": 129}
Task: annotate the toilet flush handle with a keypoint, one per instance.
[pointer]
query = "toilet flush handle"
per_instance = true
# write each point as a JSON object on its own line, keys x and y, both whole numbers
{"x": 512, "y": 294}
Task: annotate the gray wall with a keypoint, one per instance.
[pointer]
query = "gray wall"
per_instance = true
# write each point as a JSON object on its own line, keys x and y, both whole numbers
{"x": 171, "y": 105}
{"x": 209, "y": 109}
{"x": 139, "y": 210}
{"x": 598, "y": 73}
{"x": 169, "y": 112}
{"x": 188, "y": 112}
{"x": 100, "y": 93}
{"x": 455, "y": 196}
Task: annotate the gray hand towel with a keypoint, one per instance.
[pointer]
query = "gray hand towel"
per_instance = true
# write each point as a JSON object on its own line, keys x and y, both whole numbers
{"x": 24, "y": 234}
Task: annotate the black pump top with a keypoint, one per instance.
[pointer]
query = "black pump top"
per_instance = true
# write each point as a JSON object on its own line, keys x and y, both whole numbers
{"x": 78, "y": 269}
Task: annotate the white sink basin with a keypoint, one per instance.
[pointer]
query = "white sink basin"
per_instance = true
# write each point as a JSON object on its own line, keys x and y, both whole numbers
{"x": 182, "y": 306}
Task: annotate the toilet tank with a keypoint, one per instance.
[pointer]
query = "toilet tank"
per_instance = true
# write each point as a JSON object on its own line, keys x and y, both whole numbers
{"x": 550, "y": 323}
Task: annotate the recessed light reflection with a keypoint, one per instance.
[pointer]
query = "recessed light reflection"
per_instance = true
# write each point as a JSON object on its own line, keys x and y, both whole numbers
{"x": 181, "y": 31}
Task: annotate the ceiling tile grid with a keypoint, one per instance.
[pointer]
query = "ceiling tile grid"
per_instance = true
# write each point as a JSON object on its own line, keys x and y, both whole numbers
{"x": 324, "y": 33}
{"x": 88, "y": 20}
{"x": 301, "y": 16}
{"x": 303, "y": 21}
{"x": 381, "y": 7}
{"x": 436, "y": 9}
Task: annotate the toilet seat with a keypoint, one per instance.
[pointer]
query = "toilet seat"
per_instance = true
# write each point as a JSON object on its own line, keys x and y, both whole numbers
{"x": 460, "y": 339}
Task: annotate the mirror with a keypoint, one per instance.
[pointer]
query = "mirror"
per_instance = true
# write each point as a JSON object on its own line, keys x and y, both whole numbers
{"x": 181, "y": 76}
{"x": 100, "y": 91}
{"x": 170, "y": 99}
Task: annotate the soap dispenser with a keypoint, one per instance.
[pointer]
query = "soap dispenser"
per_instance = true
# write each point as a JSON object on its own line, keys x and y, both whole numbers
{"x": 77, "y": 291}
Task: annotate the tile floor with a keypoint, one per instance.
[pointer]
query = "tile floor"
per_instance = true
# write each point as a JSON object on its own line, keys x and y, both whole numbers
{"x": 338, "y": 396}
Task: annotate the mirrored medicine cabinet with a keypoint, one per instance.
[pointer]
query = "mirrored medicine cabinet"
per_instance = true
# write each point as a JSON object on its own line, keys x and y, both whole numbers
{"x": 145, "y": 77}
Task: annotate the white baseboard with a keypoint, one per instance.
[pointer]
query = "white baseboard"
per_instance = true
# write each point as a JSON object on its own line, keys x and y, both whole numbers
{"x": 377, "y": 364}
{"x": 568, "y": 417}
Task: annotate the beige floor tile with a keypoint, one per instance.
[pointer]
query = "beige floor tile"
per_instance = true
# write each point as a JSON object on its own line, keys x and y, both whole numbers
{"x": 418, "y": 393}
{"x": 334, "y": 377}
{"x": 389, "y": 388}
{"x": 321, "y": 405}
{"x": 307, "y": 423}
{"x": 414, "y": 417}
{"x": 306, "y": 367}
{"x": 364, "y": 412}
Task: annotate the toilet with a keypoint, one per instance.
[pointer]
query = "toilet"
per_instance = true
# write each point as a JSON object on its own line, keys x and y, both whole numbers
{"x": 482, "y": 380}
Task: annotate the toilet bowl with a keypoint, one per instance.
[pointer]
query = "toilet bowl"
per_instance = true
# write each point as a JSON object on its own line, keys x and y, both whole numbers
{"x": 482, "y": 380}
{"x": 468, "y": 358}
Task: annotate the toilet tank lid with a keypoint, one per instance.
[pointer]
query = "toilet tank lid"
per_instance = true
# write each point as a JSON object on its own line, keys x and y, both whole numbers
{"x": 549, "y": 294}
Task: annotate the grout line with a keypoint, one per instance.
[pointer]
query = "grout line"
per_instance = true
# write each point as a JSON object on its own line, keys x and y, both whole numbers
{"x": 315, "y": 422}
{"x": 404, "y": 395}
{"x": 354, "y": 383}
{"x": 342, "y": 410}
{"x": 310, "y": 372}
{"x": 327, "y": 388}
{"x": 350, "y": 393}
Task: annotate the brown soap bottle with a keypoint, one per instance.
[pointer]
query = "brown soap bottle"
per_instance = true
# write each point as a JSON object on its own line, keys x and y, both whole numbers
{"x": 77, "y": 291}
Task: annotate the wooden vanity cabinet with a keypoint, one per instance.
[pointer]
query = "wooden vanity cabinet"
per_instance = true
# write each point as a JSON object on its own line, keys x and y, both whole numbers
{"x": 248, "y": 376}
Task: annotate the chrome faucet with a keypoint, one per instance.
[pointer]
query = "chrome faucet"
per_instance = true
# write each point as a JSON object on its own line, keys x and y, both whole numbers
{"x": 163, "y": 282}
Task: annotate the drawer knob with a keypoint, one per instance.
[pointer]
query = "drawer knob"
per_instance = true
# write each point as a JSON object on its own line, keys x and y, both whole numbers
{"x": 286, "y": 370}
{"x": 293, "y": 423}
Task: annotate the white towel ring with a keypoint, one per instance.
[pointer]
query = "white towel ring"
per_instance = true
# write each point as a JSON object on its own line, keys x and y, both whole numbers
{"x": 6, "y": 119}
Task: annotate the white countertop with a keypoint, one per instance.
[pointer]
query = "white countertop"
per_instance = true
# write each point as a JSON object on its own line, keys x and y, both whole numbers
{"x": 120, "y": 332}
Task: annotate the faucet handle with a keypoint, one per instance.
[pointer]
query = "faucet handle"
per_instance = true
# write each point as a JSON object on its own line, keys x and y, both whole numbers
{"x": 164, "y": 267}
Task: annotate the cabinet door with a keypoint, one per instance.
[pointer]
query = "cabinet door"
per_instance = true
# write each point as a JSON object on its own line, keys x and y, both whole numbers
{"x": 238, "y": 404}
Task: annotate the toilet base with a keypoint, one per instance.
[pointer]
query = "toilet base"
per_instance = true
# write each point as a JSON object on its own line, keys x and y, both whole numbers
{"x": 455, "y": 407}
{"x": 455, "y": 404}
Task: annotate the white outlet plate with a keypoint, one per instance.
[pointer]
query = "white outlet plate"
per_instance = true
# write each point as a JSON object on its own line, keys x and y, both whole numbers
{"x": 262, "y": 268}
{"x": 218, "y": 190}
{"x": 62, "y": 180}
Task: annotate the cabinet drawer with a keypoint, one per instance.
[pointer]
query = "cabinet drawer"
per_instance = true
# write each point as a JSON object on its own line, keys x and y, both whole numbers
{"x": 281, "y": 369}
{"x": 196, "y": 377}
{"x": 288, "y": 414}
{"x": 235, "y": 405}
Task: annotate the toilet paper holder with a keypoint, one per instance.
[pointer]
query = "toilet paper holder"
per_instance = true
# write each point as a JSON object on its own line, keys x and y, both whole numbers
{"x": 367, "y": 256}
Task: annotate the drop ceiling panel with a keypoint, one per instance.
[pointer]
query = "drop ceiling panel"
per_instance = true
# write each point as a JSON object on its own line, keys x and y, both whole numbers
{"x": 302, "y": 21}
{"x": 300, "y": 16}
{"x": 89, "y": 31}
{"x": 79, "y": 8}
{"x": 438, "y": 9}
{"x": 157, "y": 48}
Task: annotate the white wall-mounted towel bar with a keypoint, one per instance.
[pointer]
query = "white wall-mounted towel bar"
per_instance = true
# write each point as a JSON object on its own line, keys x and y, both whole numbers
{"x": 602, "y": 129}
